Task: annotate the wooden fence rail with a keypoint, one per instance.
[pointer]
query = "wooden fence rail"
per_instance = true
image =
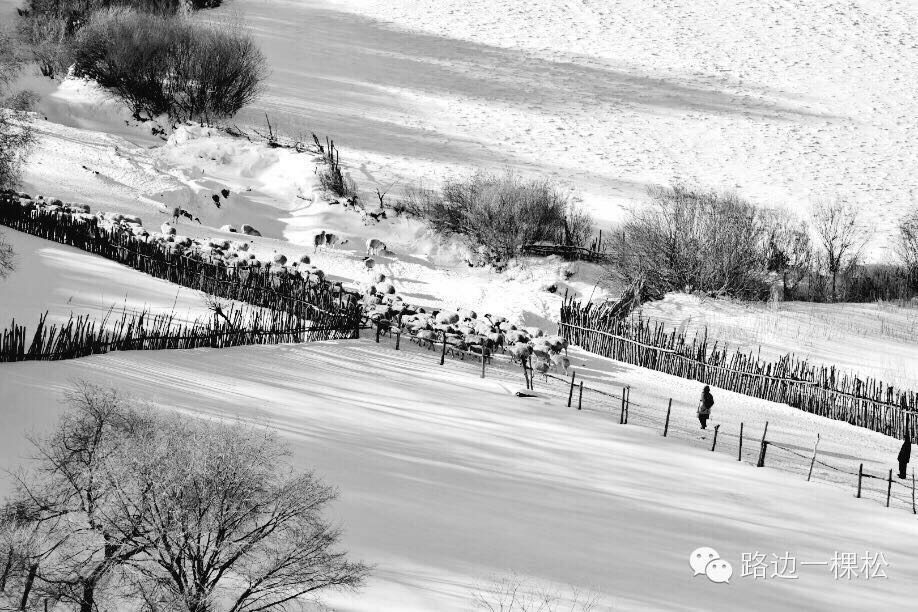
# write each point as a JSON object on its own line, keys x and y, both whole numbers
{"x": 302, "y": 297}
{"x": 82, "y": 336}
{"x": 864, "y": 402}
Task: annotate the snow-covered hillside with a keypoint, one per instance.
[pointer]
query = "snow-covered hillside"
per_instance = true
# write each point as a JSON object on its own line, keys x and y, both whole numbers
{"x": 784, "y": 101}
{"x": 876, "y": 340}
{"x": 447, "y": 479}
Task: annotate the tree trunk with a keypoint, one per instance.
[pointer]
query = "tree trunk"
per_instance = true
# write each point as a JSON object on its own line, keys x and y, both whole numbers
{"x": 27, "y": 588}
{"x": 88, "y": 601}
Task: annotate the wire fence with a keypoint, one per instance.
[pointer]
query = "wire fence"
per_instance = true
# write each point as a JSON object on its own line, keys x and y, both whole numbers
{"x": 750, "y": 443}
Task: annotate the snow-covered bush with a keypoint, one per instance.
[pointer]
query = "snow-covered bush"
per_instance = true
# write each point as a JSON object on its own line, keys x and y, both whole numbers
{"x": 16, "y": 136}
{"x": 168, "y": 64}
{"x": 499, "y": 214}
{"x": 705, "y": 241}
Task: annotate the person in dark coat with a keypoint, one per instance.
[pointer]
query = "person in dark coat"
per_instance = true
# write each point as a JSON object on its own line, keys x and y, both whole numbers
{"x": 905, "y": 453}
{"x": 704, "y": 406}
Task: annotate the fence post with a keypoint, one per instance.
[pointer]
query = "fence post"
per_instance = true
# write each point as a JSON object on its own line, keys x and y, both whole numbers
{"x": 627, "y": 404}
{"x": 913, "y": 492}
{"x": 377, "y": 331}
{"x": 889, "y": 488}
{"x": 860, "y": 475}
{"x": 398, "y": 338}
{"x": 761, "y": 462}
{"x": 482, "y": 362}
{"x": 739, "y": 455}
{"x": 570, "y": 395}
{"x": 621, "y": 419}
{"x": 666, "y": 424}
{"x": 813, "y": 460}
{"x": 580, "y": 397}
{"x": 443, "y": 352}
{"x": 714, "y": 443}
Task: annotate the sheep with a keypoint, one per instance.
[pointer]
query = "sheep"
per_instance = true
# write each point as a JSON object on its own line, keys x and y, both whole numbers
{"x": 249, "y": 230}
{"x": 375, "y": 246}
{"x": 561, "y": 362}
{"x": 167, "y": 229}
{"x": 520, "y": 352}
{"x": 280, "y": 259}
{"x": 331, "y": 240}
{"x": 318, "y": 240}
{"x": 304, "y": 259}
{"x": 227, "y": 228}
{"x": 368, "y": 263}
{"x": 542, "y": 368}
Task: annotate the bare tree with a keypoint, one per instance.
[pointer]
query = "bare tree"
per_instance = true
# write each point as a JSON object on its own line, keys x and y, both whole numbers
{"x": 790, "y": 252}
{"x": 166, "y": 511}
{"x": 906, "y": 246}
{"x": 68, "y": 499}
{"x": 221, "y": 521}
{"x": 842, "y": 236}
{"x": 692, "y": 239}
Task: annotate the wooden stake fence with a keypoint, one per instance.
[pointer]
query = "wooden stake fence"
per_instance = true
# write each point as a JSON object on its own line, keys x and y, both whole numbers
{"x": 304, "y": 297}
{"x": 824, "y": 391}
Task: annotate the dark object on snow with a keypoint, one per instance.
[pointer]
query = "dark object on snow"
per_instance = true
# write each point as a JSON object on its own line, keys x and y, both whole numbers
{"x": 224, "y": 193}
{"x": 198, "y": 220}
{"x": 216, "y": 200}
{"x": 704, "y": 406}
{"x": 905, "y": 454}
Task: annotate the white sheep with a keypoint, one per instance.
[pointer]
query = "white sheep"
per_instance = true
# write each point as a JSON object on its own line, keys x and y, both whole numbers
{"x": 375, "y": 246}
{"x": 331, "y": 240}
{"x": 561, "y": 362}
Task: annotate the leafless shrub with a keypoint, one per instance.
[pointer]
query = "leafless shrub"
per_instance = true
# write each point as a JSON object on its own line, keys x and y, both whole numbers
{"x": 906, "y": 245}
{"x": 789, "y": 250}
{"x": 842, "y": 234}
{"x": 22, "y": 101}
{"x": 11, "y": 60}
{"x": 331, "y": 177}
{"x": 501, "y": 213}
{"x": 695, "y": 240}
{"x": 7, "y": 258}
{"x": 16, "y": 139}
{"x": 513, "y": 593}
{"x": 170, "y": 64}
{"x": 16, "y": 135}
{"x": 48, "y": 39}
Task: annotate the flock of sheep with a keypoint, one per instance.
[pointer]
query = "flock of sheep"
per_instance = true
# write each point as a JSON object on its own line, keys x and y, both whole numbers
{"x": 463, "y": 330}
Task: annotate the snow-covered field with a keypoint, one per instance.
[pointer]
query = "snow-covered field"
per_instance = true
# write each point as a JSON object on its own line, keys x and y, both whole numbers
{"x": 62, "y": 280}
{"x": 876, "y": 340}
{"x": 447, "y": 479}
{"x": 784, "y": 101}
